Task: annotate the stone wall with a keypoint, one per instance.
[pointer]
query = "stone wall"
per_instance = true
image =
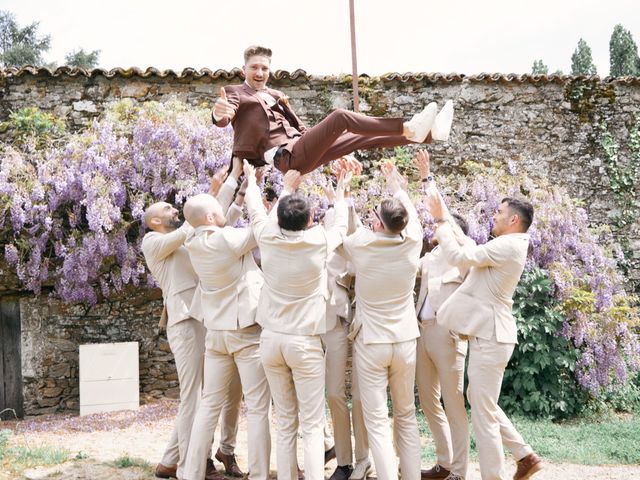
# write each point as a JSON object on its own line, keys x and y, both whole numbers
{"x": 548, "y": 126}
{"x": 52, "y": 333}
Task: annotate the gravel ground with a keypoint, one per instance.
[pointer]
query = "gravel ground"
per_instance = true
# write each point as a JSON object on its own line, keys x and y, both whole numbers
{"x": 100, "y": 439}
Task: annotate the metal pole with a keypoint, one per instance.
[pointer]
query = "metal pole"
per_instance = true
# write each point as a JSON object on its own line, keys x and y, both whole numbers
{"x": 354, "y": 60}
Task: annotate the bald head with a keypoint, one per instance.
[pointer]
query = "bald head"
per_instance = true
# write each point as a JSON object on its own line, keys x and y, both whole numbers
{"x": 203, "y": 209}
{"x": 161, "y": 217}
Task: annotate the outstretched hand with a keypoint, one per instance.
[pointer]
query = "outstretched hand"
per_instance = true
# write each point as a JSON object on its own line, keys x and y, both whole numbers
{"x": 236, "y": 167}
{"x": 422, "y": 162}
{"x": 346, "y": 162}
{"x": 344, "y": 179}
{"x": 329, "y": 191}
{"x": 217, "y": 179}
{"x": 291, "y": 181}
{"x": 249, "y": 173}
{"x": 222, "y": 108}
{"x": 434, "y": 203}
{"x": 395, "y": 181}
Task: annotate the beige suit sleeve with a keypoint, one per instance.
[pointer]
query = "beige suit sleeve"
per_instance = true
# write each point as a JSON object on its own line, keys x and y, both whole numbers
{"x": 158, "y": 247}
{"x": 491, "y": 254}
{"x": 337, "y": 232}
{"x": 233, "y": 214}
{"x": 225, "y": 195}
{"x": 257, "y": 214}
{"x": 239, "y": 240}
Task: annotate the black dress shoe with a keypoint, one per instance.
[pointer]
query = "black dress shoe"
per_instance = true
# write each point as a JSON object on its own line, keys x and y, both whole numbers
{"x": 341, "y": 473}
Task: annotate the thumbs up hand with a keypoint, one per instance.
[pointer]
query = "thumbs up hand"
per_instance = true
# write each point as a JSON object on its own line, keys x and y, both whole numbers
{"x": 222, "y": 108}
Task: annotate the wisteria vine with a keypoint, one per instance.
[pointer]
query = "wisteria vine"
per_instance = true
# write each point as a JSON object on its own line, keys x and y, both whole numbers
{"x": 71, "y": 210}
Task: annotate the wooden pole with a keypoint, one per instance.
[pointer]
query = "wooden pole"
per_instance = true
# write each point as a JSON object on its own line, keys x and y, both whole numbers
{"x": 354, "y": 60}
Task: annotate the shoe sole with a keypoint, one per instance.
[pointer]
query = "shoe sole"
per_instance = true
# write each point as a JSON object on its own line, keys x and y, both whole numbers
{"x": 532, "y": 471}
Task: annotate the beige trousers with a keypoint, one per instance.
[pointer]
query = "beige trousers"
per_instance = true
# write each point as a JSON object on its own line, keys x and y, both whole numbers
{"x": 487, "y": 362}
{"x": 227, "y": 350}
{"x": 379, "y": 365}
{"x": 440, "y": 372}
{"x": 294, "y": 365}
{"x": 186, "y": 339}
{"x": 336, "y": 353}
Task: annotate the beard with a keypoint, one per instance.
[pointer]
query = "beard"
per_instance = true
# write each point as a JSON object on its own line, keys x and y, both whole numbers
{"x": 174, "y": 223}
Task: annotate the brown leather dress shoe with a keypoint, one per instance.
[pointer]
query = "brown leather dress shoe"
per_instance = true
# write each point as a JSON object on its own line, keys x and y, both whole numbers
{"x": 528, "y": 466}
{"x": 231, "y": 467}
{"x": 211, "y": 473}
{"x": 437, "y": 471}
{"x": 166, "y": 471}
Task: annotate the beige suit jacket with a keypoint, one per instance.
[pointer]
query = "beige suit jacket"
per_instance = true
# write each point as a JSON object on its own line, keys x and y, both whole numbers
{"x": 439, "y": 279}
{"x": 168, "y": 262}
{"x": 481, "y": 307}
{"x": 338, "y": 304}
{"x": 385, "y": 268}
{"x": 294, "y": 296}
{"x": 226, "y": 297}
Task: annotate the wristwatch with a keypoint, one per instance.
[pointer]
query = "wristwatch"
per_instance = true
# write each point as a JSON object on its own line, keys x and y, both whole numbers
{"x": 428, "y": 179}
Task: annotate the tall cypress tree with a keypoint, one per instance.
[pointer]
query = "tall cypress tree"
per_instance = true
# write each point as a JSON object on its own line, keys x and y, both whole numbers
{"x": 623, "y": 53}
{"x": 581, "y": 60}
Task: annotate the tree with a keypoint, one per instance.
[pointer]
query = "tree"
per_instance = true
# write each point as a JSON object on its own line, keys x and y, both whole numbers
{"x": 623, "y": 53}
{"x": 82, "y": 59}
{"x": 539, "y": 68}
{"x": 20, "y": 45}
{"x": 581, "y": 60}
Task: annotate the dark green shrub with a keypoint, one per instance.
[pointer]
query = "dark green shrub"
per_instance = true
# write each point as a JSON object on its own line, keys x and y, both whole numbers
{"x": 540, "y": 380}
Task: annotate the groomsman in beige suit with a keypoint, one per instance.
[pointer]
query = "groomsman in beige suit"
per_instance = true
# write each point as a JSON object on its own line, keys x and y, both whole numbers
{"x": 226, "y": 300}
{"x": 169, "y": 263}
{"x": 385, "y": 261}
{"x": 292, "y": 312}
{"x": 441, "y": 356}
{"x": 336, "y": 343}
{"x": 481, "y": 310}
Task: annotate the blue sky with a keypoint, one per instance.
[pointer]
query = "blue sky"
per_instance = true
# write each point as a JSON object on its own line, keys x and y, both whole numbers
{"x": 400, "y": 35}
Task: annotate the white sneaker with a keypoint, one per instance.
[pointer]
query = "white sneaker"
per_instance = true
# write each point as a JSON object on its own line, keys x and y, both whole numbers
{"x": 442, "y": 125}
{"x": 361, "y": 470}
{"x": 421, "y": 123}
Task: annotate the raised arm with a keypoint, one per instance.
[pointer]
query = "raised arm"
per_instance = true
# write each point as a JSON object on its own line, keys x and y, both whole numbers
{"x": 225, "y": 108}
{"x": 290, "y": 183}
{"x": 160, "y": 246}
{"x": 228, "y": 188}
{"x": 337, "y": 232}
{"x": 397, "y": 185}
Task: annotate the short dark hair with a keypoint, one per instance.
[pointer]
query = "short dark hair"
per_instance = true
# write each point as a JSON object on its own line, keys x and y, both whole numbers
{"x": 462, "y": 223}
{"x": 293, "y": 212}
{"x": 393, "y": 215}
{"x": 522, "y": 208}
{"x": 256, "y": 50}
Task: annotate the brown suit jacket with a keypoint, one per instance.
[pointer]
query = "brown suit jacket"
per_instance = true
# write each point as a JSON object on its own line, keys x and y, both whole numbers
{"x": 253, "y": 130}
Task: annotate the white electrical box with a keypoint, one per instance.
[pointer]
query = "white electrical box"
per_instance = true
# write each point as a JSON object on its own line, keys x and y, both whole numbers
{"x": 109, "y": 377}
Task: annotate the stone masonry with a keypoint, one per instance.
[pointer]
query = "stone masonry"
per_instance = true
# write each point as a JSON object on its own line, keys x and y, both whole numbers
{"x": 548, "y": 126}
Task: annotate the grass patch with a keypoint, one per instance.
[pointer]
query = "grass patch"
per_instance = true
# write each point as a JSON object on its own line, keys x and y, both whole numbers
{"x": 609, "y": 441}
{"x": 585, "y": 442}
{"x": 26, "y": 457}
{"x": 125, "y": 461}
{"x": 20, "y": 457}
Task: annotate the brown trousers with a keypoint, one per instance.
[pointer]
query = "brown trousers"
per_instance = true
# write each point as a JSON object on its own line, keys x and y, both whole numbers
{"x": 340, "y": 133}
